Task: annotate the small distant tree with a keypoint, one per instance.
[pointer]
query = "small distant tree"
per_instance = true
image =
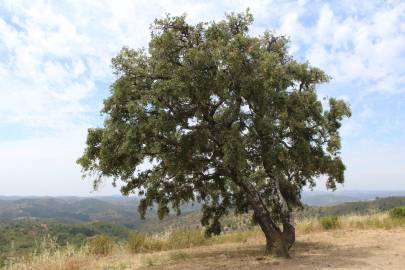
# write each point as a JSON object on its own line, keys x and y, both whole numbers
{"x": 219, "y": 117}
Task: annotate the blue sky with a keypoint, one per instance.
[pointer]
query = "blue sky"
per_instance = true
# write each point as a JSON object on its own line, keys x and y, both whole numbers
{"x": 55, "y": 73}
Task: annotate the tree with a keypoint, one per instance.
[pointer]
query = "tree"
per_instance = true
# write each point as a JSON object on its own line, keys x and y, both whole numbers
{"x": 221, "y": 117}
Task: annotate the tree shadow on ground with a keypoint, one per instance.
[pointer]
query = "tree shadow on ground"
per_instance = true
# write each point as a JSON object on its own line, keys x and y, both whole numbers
{"x": 304, "y": 255}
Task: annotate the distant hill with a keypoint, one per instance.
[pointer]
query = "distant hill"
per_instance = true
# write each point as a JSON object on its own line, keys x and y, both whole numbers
{"x": 113, "y": 209}
{"x": 74, "y": 209}
{"x": 360, "y": 207}
{"x": 323, "y": 198}
{"x": 124, "y": 210}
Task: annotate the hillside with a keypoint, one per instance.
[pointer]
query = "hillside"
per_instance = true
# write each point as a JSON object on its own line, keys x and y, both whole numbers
{"x": 25, "y": 222}
{"x": 368, "y": 242}
{"x": 114, "y": 209}
{"x": 123, "y": 210}
{"x": 359, "y": 208}
{"x": 73, "y": 209}
{"x": 325, "y": 198}
{"x": 348, "y": 208}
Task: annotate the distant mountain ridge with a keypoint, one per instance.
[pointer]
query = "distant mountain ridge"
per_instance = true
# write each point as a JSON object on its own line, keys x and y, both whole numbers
{"x": 324, "y": 198}
{"x": 67, "y": 208}
{"x": 123, "y": 210}
{"x": 113, "y": 209}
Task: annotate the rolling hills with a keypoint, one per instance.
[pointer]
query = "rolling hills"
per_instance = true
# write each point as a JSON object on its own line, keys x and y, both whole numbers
{"x": 25, "y": 221}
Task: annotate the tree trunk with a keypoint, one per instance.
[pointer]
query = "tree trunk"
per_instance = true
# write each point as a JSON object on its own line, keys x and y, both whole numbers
{"x": 289, "y": 233}
{"x": 286, "y": 216}
{"x": 282, "y": 207}
{"x": 276, "y": 242}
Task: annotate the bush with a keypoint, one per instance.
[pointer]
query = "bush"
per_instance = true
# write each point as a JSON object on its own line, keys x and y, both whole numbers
{"x": 186, "y": 238}
{"x": 398, "y": 212}
{"x": 139, "y": 242}
{"x": 101, "y": 245}
{"x": 329, "y": 222}
{"x": 136, "y": 242}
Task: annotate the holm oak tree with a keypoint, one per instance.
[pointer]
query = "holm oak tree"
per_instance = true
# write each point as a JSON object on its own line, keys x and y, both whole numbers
{"x": 212, "y": 114}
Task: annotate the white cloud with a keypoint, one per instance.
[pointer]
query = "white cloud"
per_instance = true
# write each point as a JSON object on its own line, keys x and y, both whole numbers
{"x": 55, "y": 54}
{"x": 53, "y": 47}
{"x": 370, "y": 49}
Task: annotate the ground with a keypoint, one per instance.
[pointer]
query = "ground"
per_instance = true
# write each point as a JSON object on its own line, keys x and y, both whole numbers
{"x": 335, "y": 249}
{"x": 340, "y": 249}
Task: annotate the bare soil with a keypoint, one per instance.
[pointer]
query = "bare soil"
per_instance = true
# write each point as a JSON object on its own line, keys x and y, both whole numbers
{"x": 338, "y": 249}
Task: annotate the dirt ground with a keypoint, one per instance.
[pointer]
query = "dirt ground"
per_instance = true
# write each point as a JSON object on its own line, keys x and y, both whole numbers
{"x": 340, "y": 249}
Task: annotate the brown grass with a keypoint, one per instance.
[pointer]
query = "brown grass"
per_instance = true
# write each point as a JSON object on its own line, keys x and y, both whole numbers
{"x": 357, "y": 236}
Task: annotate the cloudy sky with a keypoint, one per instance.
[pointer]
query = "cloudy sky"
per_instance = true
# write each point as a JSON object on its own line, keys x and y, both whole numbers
{"x": 55, "y": 73}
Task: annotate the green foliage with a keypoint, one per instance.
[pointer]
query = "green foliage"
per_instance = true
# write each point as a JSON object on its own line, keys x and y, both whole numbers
{"x": 101, "y": 245}
{"x": 398, "y": 212}
{"x": 329, "y": 222}
{"x": 222, "y": 116}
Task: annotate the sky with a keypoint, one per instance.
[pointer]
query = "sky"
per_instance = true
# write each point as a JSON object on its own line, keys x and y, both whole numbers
{"x": 55, "y": 72}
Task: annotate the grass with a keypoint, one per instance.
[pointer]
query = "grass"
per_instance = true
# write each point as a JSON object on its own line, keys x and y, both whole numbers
{"x": 329, "y": 222}
{"x": 144, "y": 250}
{"x": 101, "y": 245}
{"x": 372, "y": 221}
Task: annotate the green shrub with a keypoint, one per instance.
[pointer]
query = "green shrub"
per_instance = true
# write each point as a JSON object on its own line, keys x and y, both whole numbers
{"x": 136, "y": 242}
{"x": 186, "y": 238}
{"x": 101, "y": 245}
{"x": 398, "y": 212}
{"x": 329, "y": 222}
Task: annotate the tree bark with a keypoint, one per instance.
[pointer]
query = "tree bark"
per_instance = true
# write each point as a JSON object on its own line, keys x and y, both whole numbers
{"x": 282, "y": 208}
{"x": 286, "y": 216}
{"x": 276, "y": 240}
{"x": 289, "y": 232}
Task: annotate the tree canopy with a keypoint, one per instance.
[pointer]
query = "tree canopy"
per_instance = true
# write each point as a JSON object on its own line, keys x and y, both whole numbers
{"x": 212, "y": 114}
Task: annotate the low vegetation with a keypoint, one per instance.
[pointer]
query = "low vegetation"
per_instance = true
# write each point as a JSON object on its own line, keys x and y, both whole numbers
{"x": 146, "y": 249}
{"x": 101, "y": 245}
{"x": 329, "y": 222}
{"x": 20, "y": 238}
{"x": 398, "y": 212}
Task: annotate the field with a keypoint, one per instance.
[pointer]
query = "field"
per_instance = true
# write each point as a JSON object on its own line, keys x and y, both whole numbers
{"x": 356, "y": 242}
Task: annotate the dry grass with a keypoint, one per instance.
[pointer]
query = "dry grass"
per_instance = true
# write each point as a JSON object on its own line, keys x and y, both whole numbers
{"x": 183, "y": 246}
{"x": 372, "y": 221}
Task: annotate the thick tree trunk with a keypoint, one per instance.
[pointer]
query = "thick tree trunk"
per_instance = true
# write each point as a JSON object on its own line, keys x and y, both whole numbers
{"x": 282, "y": 207}
{"x": 286, "y": 217}
{"x": 289, "y": 232}
{"x": 276, "y": 242}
